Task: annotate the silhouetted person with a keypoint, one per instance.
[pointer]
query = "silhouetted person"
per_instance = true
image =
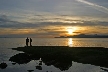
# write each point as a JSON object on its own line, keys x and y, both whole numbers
{"x": 27, "y": 41}
{"x": 30, "y": 41}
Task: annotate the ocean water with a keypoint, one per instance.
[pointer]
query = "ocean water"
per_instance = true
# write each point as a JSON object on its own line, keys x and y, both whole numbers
{"x": 6, "y": 52}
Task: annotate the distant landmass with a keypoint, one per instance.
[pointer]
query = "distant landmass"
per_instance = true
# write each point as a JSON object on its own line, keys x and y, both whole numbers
{"x": 84, "y": 36}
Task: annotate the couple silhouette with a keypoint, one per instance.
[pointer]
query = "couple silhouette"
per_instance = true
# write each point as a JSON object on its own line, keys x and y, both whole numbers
{"x": 27, "y": 41}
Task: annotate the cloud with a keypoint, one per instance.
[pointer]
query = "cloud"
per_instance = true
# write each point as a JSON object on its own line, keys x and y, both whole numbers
{"x": 51, "y": 17}
{"x": 98, "y": 7}
{"x": 77, "y": 32}
{"x": 3, "y": 18}
{"x": 49, "y": 21}
{"x": 49, "y": 26}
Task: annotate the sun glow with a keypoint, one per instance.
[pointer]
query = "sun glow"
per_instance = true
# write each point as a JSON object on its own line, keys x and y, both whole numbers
{"x": 70, "y": 30}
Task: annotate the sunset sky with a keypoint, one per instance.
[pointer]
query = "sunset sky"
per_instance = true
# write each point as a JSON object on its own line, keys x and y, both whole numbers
{"x": 50, "y": 18}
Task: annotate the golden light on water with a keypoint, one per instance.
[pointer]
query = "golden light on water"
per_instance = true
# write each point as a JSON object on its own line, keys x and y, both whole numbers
{"x": 70, "y": 42}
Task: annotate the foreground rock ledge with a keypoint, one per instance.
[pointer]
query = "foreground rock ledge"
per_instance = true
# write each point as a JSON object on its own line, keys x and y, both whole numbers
{"x": 62, "y": 56}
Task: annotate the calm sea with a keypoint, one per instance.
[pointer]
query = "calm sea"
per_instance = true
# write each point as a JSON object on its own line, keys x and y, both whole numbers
{"x": 6, "y": 52}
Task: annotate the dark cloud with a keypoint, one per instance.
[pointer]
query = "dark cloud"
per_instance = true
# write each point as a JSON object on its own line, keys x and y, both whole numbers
{"x": 77, "y": 32}
{"x": 3, "y": 18}
{"x": 6, "y": 23}
{"x": 52, "y": 33}
{"x": 18, "y": 35}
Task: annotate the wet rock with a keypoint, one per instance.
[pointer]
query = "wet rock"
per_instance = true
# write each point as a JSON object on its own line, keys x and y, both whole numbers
{"x": 13, "y": 63}
{"x": 30, "y": 70}
{"x": 39, "y": 67}
{"x": 104, "y": 69}
{"x": 3, "y": 65}
{"x": 21, "y": 58}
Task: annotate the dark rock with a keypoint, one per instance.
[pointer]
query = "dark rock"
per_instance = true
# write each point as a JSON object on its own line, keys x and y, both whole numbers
{"x": 104, "y": 69}
{"x": 21, "y": 58}
{"x": 30, "y": 70}
{"x": 39, "y": 67}
{"x": 40, "y": 63}
{"x": 3, "y": 65}
{"x": 13, "y": 63}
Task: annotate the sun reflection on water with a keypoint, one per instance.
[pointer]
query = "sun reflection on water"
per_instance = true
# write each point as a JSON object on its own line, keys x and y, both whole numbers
{"x": 70, "y": 42}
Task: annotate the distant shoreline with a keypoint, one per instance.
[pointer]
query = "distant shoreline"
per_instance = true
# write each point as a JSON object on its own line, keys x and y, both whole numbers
{"x": 84, "y": 36}
{"x": 80, "y": 37}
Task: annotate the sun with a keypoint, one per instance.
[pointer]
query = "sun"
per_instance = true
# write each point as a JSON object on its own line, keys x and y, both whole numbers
{"x": 70, "y": 30}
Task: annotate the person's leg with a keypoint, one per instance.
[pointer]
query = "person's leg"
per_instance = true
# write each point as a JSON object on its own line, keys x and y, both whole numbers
{"x": 27, "y": 44}
{"x": 30, "y": 44}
